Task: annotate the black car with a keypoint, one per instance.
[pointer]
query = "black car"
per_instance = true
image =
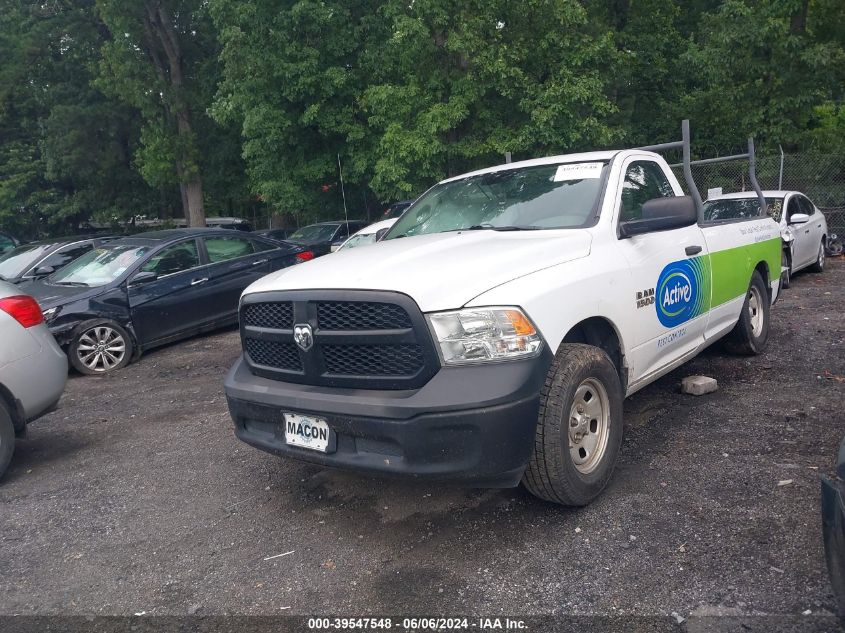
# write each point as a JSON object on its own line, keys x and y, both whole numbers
{"x": 325, "y": 237}
{"x": 7, "y": 242}
{"x": 138, "y": 292}
{"x": 833, "y": 527}
{"x": 275, "y": 234}
{"x": 396, "y": 209}
{"x": 39, "y": 259}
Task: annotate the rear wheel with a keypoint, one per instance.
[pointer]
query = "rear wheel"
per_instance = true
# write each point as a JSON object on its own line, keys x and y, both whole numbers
{"x": 579, "y": 431}
{"x": 99, "y": 348}
{"x": 751, "y": 332}
{"x": 7, "y": 438}
{"x": 818, "y": 265}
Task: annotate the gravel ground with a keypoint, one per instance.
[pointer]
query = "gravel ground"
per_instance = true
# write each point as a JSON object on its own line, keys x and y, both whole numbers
{"x": 136, "y": 497}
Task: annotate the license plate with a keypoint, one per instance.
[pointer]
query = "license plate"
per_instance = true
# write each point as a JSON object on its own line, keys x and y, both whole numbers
{"x": 307, "y": 432}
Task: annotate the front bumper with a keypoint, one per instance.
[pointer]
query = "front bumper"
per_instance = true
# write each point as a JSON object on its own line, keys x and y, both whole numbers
{"x": 833, "y": 527}
{"x": 472, "y": 425}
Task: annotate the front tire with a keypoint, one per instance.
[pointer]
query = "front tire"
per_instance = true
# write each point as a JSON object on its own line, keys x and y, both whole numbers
{"x": 579, "y": 430}
{"x": 818, "y": 265}
{"x": 99, "y": 348}
{"x": 751, "y": 332}
{"x": 7, "y": 438}
{"x": 785, "y": 275}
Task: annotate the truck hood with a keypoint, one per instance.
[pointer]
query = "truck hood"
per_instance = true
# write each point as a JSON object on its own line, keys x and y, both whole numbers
{"x": 441, "y": 271}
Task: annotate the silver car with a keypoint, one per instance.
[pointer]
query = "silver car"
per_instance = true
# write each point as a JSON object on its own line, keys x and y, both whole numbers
{"x": 33, "y": 369}
{"x": 802, "y": 225}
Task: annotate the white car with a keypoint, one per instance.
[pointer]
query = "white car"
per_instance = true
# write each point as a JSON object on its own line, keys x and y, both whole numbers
{"x": 33, "y": 369}
{"x": 491, "y": 337}
{"x": 367, "y": 235}
{"x": 803, "y": 226}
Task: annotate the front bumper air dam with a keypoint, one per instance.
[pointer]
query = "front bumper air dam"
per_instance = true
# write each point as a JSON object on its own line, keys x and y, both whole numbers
{"x": 471, "y": 425}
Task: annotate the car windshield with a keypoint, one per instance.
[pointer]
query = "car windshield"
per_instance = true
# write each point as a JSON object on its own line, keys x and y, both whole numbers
{"x": 17, "y": 261}
{"x": 314, "y": 233}
{"x": 740, "y": 209}
{"x": 359, "y": 239}
{"x": 556, "y": 196}
{"x": 100, "y": 266}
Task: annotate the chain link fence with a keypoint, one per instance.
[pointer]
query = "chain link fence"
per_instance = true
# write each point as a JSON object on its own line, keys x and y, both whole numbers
{"x": 821, "y": 177}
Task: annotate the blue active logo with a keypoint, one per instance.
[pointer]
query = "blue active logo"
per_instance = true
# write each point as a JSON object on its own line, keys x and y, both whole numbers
{"x": 682, "y": 291}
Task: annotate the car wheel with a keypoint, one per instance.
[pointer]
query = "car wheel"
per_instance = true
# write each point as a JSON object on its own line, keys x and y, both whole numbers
{"x": 751, "y": 331}
{"x": 818, "y": 266}
{"x": 7, "y": 438}
{"x": 98, "y": 348}
{"x": 785, "y": 275}
{"x": 579, "y": 430}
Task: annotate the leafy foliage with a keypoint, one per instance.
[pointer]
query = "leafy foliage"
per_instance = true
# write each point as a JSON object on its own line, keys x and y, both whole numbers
{"x": 99, "y": 120}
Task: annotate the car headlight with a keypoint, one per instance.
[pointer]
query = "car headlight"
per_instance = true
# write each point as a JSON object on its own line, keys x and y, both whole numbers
{"x": 50, "y": 314}
{"x": 479, "y": 335}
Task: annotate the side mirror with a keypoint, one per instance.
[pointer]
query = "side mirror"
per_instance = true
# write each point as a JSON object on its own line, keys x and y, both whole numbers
{"x": 381, "y": 233}
{"x": 799, "y": 218}
{"x": 662, "y": 214}
{"x": 144, "y": 277}
{"x": 43, "y": 271}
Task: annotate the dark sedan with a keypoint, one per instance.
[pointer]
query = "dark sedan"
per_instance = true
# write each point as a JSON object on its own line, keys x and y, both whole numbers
{"x": 39, "y": 259}
{"x": 833, "y": 527}
{"x": 135, "y": 293}
{"x": 7, "y": 242}
{"x": 275, "y": 234}
{"x": 325, "y": 237}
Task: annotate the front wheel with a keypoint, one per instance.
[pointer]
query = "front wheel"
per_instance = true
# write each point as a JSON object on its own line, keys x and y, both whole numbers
{"x": 579, "y": 430}
{"x": 751, "y": 331}
{"x": 785, "y": 275}
{"x": 100, "y": 348}
{"x": 818, "y": 265}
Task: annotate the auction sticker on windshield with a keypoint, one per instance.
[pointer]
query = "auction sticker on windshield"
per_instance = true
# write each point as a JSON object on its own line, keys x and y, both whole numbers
{"x": 307, "y": 432}
{"x": 578, "y": 171}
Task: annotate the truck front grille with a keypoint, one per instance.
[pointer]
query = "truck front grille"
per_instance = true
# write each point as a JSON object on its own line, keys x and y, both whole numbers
{"x": 359, "y": 339}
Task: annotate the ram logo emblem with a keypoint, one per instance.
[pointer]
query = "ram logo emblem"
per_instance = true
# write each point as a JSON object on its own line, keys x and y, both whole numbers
{"x": 303, "y": 336}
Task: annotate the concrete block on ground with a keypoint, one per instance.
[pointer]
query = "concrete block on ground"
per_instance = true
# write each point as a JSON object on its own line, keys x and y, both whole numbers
{"x": 698, "y": 385}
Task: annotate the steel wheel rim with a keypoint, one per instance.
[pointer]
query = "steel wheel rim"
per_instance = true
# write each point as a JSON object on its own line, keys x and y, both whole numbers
{"x": 821, "y": 255}
{"x": 101, "y": 349}
{"x": 755, "y": 311}
{"x": 588, "y": 426}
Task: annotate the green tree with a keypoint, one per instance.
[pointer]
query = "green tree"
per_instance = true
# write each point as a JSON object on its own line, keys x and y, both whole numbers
{"x": 65, "y": 148}
{"x": 759, "y": 67}
{"x": 154, "y": 62}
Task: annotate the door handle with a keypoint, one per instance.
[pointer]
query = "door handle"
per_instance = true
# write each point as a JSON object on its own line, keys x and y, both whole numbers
{"x": 259, "y": 262}
{"x": 197, "y": 282}
{"x": 692, "y": 250}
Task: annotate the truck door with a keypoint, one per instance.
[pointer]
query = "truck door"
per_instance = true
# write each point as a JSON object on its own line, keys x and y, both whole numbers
{"x": 669, "y": 284}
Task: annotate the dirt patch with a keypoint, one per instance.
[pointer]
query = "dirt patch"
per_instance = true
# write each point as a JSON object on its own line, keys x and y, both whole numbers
{"x": 135, "y": 496}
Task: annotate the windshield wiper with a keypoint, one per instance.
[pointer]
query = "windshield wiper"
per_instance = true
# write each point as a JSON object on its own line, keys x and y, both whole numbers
{"x": 490, "y": 227}
{"x": 80, "y": 284}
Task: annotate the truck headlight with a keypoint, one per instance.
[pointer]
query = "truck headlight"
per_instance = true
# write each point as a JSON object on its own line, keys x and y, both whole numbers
{"x": 478, "y": 335}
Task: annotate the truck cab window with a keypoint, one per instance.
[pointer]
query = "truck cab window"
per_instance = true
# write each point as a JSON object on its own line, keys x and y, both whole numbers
{"x": 644, "y": 181}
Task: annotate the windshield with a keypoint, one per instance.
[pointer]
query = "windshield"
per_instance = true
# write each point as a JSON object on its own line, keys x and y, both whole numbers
{"x": 359, "y": 239}
{"x": 314, "y": 233}
{"x": 740, "y": 209}
{"x": 559, "y": 196}
{"x": 100, "y": 266}
{"x": 17, "y": 261}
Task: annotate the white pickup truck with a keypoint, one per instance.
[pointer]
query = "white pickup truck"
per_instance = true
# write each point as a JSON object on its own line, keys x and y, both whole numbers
{"x": 491, "y": 337}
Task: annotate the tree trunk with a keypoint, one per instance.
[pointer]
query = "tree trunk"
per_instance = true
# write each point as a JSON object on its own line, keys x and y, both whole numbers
{"x": 159, "y": 25}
